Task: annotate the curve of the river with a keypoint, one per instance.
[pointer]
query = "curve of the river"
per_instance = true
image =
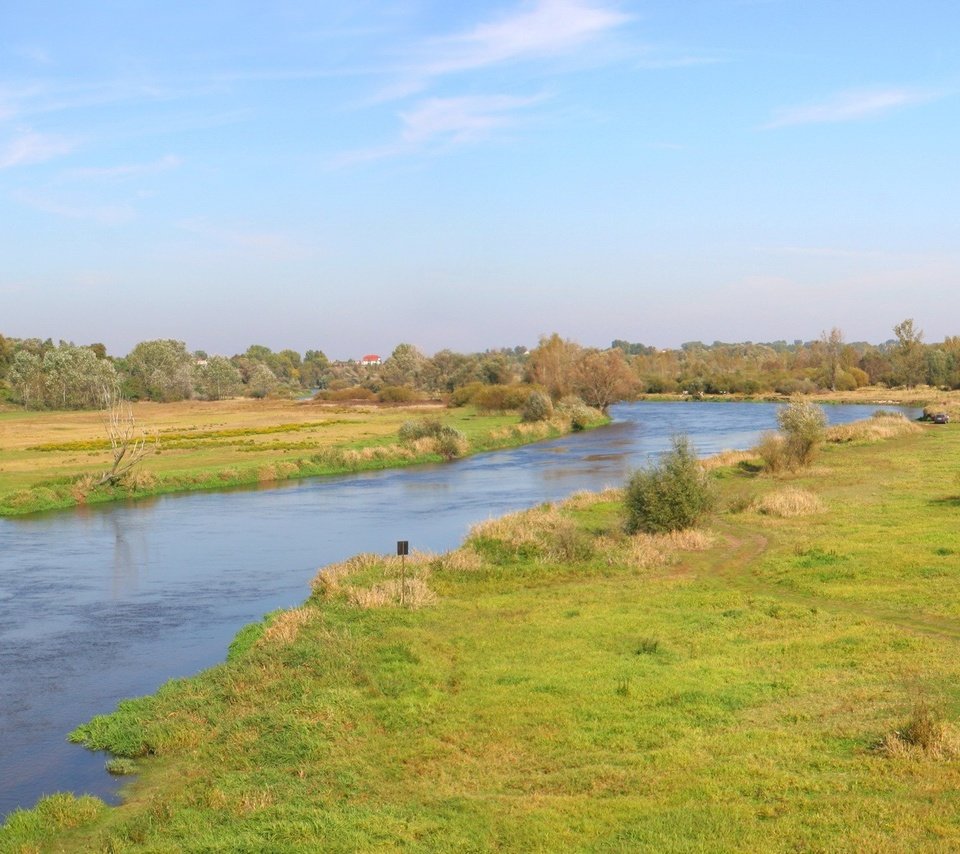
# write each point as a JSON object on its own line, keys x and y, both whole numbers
{"x": 102, "y": 603}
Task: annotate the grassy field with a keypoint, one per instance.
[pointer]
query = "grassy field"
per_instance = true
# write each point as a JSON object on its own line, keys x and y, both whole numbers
{"x": 785, "y": 680}
{"x": 48, "y": 458}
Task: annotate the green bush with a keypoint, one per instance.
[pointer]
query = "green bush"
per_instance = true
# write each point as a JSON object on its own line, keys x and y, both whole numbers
{"x": 397, "y": 394}
{"x": 500, "y": 398}
{"x": 672, "y": 495}
{"x": 537, "y": 407}
{"x": 451, "y": 443}
{"x": 803, "y": 425}
{"x": 464, "y": 394}
{"x": 418, "y": 428}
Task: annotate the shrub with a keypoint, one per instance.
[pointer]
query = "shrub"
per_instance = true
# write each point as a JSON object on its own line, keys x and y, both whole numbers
{"x": 789, "y": 502}
{"x": 577, "y": 411}
{"x": 465, "y": 393}
{"x": 420, "y": 428}
{"x": 500, "y": 398}
{"x": 397, "y": 394}
{"x": 672, "y": 495}
{"x": 773, "y": 451}
{"x": 803, "y": 425}
{"x": 450, "y": 443}
{"x": 537, "y": 407}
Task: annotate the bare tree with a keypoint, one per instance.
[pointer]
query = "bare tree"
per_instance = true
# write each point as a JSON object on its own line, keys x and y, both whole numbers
{"x": 831, "y": 345}
{"x": 129, "y": 443}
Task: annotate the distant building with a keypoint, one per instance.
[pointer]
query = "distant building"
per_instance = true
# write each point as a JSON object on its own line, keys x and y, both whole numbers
{"x": 371, "y": 359}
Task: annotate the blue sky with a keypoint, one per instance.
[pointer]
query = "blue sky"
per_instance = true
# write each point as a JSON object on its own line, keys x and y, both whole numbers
{"x": 346, "y": 176}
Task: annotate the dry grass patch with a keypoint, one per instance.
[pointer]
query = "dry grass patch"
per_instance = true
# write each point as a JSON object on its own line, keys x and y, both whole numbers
{"x": 542, "y": 533}
{"x": 649, "y": 551}
{"x": 789, "y": 502}
{"x": 286, "y": 626}
{"x": 881, "y": 425}
{"x": 924, "y": 735}
{"x": 374, "y": 581}
{"x": 728, "y": 459}
{"x": 387, "y": 594}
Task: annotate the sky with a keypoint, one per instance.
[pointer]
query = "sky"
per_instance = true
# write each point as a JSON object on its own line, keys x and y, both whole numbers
{"x": 308, "y": 174}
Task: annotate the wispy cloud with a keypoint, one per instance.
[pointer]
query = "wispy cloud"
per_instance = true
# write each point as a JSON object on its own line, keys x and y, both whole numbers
{"x": 852, "y": 106}
{"x": 273, "y": 246}
{"x": 29, "y": 147}
{"x": 441, "y": 123}
{"x": 164, "y": 164}
{"x": 537, "y": 30}
{"x": 540, "y": 29}
{"x": 99, "y": 214}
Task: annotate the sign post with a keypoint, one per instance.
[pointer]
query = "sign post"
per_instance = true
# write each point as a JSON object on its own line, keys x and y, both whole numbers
{"x": 403, "y": 549}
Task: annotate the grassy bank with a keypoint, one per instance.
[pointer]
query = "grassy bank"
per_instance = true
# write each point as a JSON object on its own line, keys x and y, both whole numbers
{"x": 50, "y": 460}
{"x": 785, "y": 680}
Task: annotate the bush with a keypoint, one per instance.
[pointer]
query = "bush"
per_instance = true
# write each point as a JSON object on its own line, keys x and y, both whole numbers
{"x": 464, "y": 394}
{"x": 451, "y": 443}
{"x": 803, "y": 425}
{"x": 397, "y": 394}
{"x": 538, "y": 407}
{"x": 419, "y": 428}
{"x": 772, "y": 449}
{"x": 577, "y": 411}
{"x": 673, "y": 495}
{"x": 500, "y": 398}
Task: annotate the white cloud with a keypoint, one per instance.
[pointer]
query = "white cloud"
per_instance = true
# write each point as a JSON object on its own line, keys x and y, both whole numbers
{"x": 851, "y": 106}
{"x": 439, "y": 123}
{"x": 462, "y": 119}
{"x": 541, "y": 29}
{"x": 30, "y": 147}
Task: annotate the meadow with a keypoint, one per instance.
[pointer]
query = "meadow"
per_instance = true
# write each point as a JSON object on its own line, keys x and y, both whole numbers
{"x": 785, "y": 679}
{"x": 51, "y": 459}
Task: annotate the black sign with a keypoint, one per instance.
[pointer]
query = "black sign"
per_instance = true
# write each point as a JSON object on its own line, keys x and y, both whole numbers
{"x": 403, "y": 547}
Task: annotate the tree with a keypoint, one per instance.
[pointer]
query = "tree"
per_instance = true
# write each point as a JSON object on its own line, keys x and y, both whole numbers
{"x": 552, "y": 365}
{"x": 314, "y": 370}
{"x": 217, "y": 379}
{"x": 128, "y": 442}
{"x": 161, "y": 370}
{"x": 909, "y": 362}
{"x": 832, "y": 348}
{"x": 404, "y": 367}
{"x": 262, "y": 381}
{"x": 26, "y": 378}
{"x": 672, "y": 495}
{"x": 602, "y": 378}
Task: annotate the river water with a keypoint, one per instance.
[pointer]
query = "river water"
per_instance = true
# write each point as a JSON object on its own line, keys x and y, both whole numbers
{"x": 98, "y": 604}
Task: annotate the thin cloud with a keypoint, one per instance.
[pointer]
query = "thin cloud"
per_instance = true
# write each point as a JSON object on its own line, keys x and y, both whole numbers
{"x": 165, "y": 163}
{"x": 542, "y": 29}
{"x": 273, "y": 246}
{"x": 851, "y": 106}
{"x": 100, "y": 214}
{"x": 538, "y": 30}
{"x": 440, "y": 123}
{"x": 30, "y": 147}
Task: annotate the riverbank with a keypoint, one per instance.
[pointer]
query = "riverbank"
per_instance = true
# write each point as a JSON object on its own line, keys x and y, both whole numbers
{"x": 50, "y": 460}
{"x": 918, "y": 397}
{"x": 554, "y": 684}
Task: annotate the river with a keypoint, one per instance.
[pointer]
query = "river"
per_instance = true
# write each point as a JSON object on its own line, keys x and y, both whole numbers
{"x": 101, "y": 603}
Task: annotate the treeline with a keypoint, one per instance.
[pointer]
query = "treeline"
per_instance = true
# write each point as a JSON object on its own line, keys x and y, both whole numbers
{"x": 40, "y": 374}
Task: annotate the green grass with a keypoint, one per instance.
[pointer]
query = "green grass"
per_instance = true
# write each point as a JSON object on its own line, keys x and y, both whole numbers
{"x": 730, "y": 699}
{"x": 48, "y": 475}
